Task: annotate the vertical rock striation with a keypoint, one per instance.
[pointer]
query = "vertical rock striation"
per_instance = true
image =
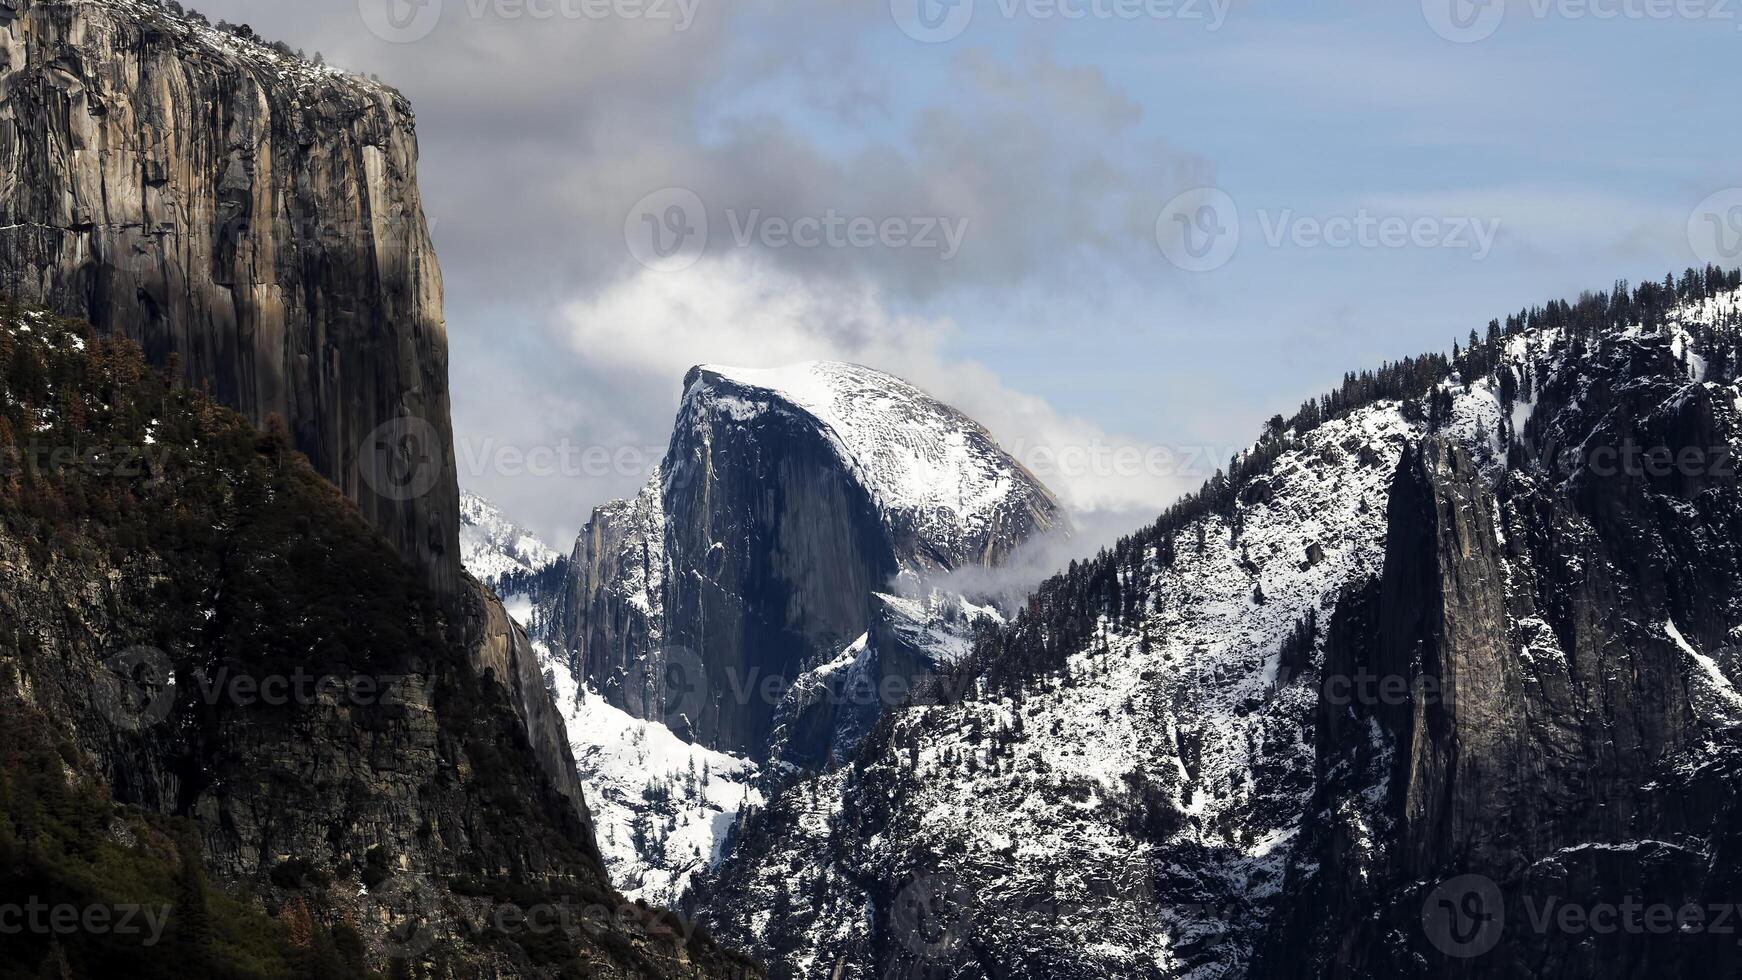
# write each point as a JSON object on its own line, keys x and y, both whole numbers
{"x": 1568, "y": 631}
{"x": 251, "y": 216}
{"x": 786, "y": 501}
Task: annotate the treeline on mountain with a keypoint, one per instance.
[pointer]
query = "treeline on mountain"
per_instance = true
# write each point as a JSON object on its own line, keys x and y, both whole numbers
{"x": 1066, "y": 613}
{"x": 533, "y": 582}
{"x": 100, "y": 451}
{"x": 242, "y": 31}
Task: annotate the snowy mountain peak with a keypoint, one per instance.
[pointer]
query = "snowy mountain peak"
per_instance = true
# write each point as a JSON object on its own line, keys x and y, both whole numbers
{"x": 503, "y": 555}
{"x": 491, "y": 545}
{"x": 930, "y": 470}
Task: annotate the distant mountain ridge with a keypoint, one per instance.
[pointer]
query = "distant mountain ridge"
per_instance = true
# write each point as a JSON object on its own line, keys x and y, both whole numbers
{"x": 511, "y": 561}
{"x": 1433, "y": 648}
{"x": 492, "y": 546}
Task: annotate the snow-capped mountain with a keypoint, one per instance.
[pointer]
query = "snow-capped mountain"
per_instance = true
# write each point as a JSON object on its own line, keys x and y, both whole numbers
{"x": 662, "y": 807}
{"x": 736, "y": 623}
{"x": 1049, "y": 796}
{"x": 909, "y": 643}
{"x": 1428, "y": 630}
{"x": 513, "y": 561}
{"x": 943, "y": 489}
{"x": 787, "y": 501}
{"x": 493, "y": 546}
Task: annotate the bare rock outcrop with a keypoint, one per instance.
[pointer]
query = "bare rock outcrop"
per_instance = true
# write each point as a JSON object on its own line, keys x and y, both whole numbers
{"x": 251, "y": 216}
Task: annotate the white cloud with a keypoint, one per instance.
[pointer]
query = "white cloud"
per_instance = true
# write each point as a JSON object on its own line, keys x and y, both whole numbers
{"x": 644, "y": 332}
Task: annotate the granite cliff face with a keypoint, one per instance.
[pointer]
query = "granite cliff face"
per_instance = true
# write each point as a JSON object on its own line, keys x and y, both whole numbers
{"x": 1574, "y": 625}
{"x": 249, "y": 215}
{"x": 200, "y": 620}
{"x": 252, "y": 222}
{"x": 786, "y": 502}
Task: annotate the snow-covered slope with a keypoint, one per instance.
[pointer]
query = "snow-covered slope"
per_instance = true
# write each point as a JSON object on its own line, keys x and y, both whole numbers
{"x": 740, "y": 601}
{"x": 1178, "y": 739}
{"x": 787, "y": 500}
{"x": 662, "y": 807}
{"x": 1125, "y": 784}
{"x": 502, "y": 554}
{"x": 492, "y": 546}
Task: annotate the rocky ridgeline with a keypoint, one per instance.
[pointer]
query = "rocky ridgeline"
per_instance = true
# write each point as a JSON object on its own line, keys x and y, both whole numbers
{"x": 733, "y": 623}
{"x": 252, "y": 221}
{"x": 1425, "y": 665}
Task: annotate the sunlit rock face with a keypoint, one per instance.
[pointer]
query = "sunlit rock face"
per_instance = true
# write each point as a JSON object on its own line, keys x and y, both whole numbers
{"x": 250, "y": 215}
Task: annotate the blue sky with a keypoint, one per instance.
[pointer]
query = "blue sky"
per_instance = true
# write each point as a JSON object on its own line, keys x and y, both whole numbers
{"x": 1584, "y": 143}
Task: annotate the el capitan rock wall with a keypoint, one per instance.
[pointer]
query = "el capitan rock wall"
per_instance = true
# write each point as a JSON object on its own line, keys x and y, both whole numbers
{"x": 250, "y": 215}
